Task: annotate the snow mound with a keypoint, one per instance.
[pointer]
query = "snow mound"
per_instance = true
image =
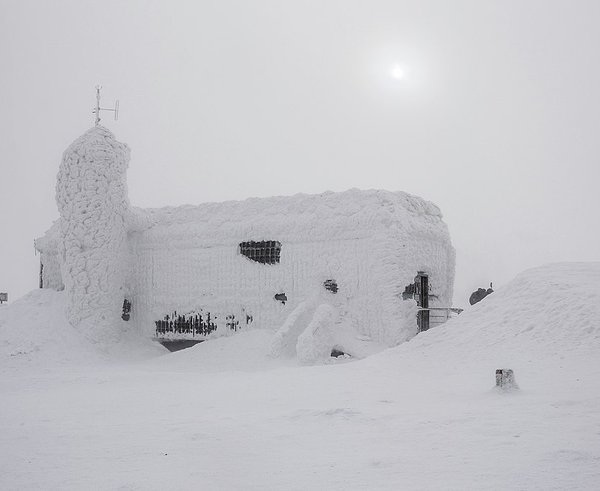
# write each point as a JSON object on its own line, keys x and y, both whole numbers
{"x": 552, "y": 311}
{"x": 549, "y": 313}
{"x": 314, "y": 344}
{"x": 244, "y": 351}
{"x": 284, "y": 341}
{"x": 35, "y": 332}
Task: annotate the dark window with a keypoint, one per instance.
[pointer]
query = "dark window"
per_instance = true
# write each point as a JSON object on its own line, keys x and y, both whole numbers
{"x": 194, "y": 324}
{"x": 232, "y": 323}
{"x": 264, "y": 252}
{"x": 336, "y": 353}
{"x": 281, "y": 297}
{"x": 331, "y": 285}
{"x": 409, "y": 292}
{"x": 126, "y": 310}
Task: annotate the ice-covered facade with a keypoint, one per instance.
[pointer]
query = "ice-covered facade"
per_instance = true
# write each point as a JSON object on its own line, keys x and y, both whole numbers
{"x": 332, "y": 266}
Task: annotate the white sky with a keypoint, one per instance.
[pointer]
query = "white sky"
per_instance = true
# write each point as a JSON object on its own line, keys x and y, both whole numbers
{"x": 496, "y": 119}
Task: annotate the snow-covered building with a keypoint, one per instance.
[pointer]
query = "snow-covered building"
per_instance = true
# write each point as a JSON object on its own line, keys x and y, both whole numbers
{"x": 332, "y": 266}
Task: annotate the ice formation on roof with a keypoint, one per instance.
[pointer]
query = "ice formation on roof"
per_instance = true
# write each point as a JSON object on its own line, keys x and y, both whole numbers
{"x": 350, "y": 214}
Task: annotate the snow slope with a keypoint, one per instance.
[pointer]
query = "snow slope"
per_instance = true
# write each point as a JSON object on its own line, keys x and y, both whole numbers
{"x": 34, "y": 331}
{"x": 423, "y": 415}
{"x": 35, "y": 335}
{"x": 550, "y": 312}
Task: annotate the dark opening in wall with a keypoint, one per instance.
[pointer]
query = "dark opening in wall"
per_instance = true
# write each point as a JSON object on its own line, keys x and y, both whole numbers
{"x": 409, "y": 292}
{"x": 179, "y": 344}
{"x": 331, "y": 285}
{"x": 422, "y": 294}
{"x": 281, "y": 297}
{"x": 232, "y": 323}
{"x": 419, "y": 291}
{"x": 200, "y": 323}
{"x": 195, "y": 324}
{"x": 264, "y": 251}
{"x": 126, "y": 310}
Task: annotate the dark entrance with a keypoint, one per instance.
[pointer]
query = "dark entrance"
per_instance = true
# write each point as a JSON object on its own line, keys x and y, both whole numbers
{"x": 178, "y": 344}
{"x": 422, "y": 298}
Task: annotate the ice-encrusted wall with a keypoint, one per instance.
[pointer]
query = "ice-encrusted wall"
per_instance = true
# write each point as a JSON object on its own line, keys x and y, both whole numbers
{"x": 222, "y": 281}
{"x": 50, "y": 262}
{"x": 91, "y": 194}
{"x": 371, "y": 244}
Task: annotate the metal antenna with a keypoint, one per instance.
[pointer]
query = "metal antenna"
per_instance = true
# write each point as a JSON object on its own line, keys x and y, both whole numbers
{"x": 97, "y": 109}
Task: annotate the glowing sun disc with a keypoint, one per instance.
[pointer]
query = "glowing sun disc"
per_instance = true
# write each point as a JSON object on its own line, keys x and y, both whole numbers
{"x": 397, "y": 72}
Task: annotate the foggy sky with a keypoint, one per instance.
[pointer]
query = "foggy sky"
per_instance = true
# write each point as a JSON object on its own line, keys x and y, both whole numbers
{"x": 496, "y": 122}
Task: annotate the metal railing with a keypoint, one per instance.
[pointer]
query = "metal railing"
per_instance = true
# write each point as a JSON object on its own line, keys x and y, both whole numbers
{"x": 439, "y": 315}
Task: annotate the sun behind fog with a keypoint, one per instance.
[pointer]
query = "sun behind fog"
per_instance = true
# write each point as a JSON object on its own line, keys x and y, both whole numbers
{"x": 398, "y": 72}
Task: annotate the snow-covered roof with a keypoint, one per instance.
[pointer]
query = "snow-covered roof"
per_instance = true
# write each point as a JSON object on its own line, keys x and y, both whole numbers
{"x": 345, "y": 215}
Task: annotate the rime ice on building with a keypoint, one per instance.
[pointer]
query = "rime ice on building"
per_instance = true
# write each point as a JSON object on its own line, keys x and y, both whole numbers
{"x": 89, "y": 242}
{"x": 318, "y": 268}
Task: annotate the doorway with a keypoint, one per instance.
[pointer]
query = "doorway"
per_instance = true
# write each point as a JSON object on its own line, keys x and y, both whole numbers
{"x": 422, "y": 298}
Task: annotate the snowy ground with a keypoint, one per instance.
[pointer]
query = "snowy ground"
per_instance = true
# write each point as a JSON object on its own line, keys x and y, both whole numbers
{"x": 224, "y": 416}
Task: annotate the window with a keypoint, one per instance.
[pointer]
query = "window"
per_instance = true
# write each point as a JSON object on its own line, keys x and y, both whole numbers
{"x": 331, "y": 285}
{"x": 126, "y": 310}
{"x": 264, "y": 252}
{"x": 194, "y": 324}
{"x": 281, "y": 297}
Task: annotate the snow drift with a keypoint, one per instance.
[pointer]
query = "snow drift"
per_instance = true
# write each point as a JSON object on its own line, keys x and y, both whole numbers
{"x": 35, "y": 333}
{"x": 422, "y": 415}
{"x": 548, "y": 311}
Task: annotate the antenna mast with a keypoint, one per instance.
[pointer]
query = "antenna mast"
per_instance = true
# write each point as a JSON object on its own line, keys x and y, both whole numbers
{"x": 97, "y": 109}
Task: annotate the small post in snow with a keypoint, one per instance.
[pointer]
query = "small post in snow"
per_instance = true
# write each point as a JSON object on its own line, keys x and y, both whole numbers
{"x": 97, "y": 109}
{"x": 505, "y": 379}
